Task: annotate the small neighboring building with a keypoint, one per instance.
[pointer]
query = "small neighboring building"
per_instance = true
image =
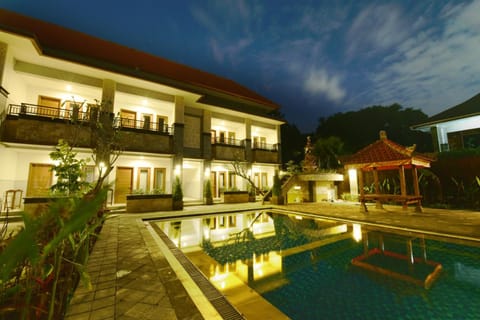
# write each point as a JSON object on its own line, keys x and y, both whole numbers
{"x": 175, "y": 120}
{"x": 455, "y": 128}
{"x": 311, "y": 185}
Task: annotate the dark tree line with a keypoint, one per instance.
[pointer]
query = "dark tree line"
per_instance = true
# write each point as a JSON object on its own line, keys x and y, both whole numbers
{"x": 359, "y": 128}
{"x": 354, "y": 130}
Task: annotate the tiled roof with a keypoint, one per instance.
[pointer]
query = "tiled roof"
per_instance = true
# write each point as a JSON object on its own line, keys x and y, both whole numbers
{"x": 385, "y": 152}
{"x": 74, "y": 46}
{"x": 468, "y": 108}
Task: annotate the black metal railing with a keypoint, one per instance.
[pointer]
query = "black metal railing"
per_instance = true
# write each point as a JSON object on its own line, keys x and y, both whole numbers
{"x": 265, "y": 146}
{"x": 142, "y": 125}
{"x": 79, "y": 115}
{"x": 48, "y": 112}
{"x": 228, "y": 141}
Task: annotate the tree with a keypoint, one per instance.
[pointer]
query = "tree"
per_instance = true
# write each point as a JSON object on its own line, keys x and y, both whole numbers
{"x": 359, "y": 128}
{"x": 292, "y": 143}
{"x": 240, "y": 169}
{"x": 327, "y": 151}
{"x": 69, "y": 171}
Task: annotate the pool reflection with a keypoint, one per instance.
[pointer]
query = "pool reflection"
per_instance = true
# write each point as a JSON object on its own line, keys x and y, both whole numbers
{"x": 296, "y": 262}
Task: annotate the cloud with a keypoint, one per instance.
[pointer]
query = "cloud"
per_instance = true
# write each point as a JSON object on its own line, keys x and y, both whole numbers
{"x": 374, "y": 29}
{"x": 319, "y": 82}
{"x": 232, "y": 51}
{"x": 433, "y": 69}
{"x": 229, "y": 26}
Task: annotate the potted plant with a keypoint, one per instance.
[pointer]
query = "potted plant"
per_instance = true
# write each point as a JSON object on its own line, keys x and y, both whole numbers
{"x": 251, "y": 193}
{"x": 277, "y": 197}
{"x": 207, "y": 192}
{"x": 177, "y": 194}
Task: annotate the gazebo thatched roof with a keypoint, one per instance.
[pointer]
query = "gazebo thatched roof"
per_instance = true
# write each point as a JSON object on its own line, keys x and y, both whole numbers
{"x": 384, "y": 154}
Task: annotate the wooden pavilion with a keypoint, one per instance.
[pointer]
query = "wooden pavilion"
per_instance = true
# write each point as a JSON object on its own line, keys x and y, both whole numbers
{"x": 385, "y": 154}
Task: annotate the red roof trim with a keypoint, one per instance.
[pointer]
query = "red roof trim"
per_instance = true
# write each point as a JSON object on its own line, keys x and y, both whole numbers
{"x": 385, "y": 153}
{"x": 52, "y": 38}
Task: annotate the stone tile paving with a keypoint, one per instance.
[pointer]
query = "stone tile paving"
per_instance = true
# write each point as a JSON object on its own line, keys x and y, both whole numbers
{"x": 128, "y": 280}
{"x": 131, "y": 278}
{"x": 454, "y": 223}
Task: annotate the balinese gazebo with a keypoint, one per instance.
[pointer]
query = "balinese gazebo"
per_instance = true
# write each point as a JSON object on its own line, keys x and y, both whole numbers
{"x": 385, "y": 154}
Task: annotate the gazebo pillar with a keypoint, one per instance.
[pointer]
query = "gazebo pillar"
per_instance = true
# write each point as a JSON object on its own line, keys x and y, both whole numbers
{"x": 415, "y": 181}
{"x": 416, "y": 189}
{"x": 403, "y": 184}
{"x": 363, "y": 207}
{"x": 377, "y": 188}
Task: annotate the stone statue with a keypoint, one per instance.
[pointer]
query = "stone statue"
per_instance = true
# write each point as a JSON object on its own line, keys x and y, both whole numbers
{"x": 310, "y": 161}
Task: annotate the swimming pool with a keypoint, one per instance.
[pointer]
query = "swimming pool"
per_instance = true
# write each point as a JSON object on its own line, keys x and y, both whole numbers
{"x": 303, "y": 267}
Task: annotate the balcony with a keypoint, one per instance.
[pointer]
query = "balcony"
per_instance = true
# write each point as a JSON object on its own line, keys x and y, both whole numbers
{"x": 265, "y": 152}
{"x": 228, "y": 149}
{"x": 35, "y": 124}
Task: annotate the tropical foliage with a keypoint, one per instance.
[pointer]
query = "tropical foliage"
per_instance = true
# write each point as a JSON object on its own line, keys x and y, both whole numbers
{"x": 42, "y": 263}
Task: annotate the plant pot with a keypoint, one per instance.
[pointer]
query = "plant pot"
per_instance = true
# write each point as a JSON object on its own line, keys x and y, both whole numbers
{"x": 149, "y": 202}
{"x": 177, "y": 205}
{"x": 278, "y": 200}
{"x": 235, "y": 196}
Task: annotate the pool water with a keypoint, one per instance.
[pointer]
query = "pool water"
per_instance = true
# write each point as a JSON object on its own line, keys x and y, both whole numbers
{"x": 331, "y": 288}
{"x": 303, "y": 267}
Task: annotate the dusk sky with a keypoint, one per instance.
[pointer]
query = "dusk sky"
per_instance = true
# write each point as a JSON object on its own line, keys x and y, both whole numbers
{"x": 313, "y": 58}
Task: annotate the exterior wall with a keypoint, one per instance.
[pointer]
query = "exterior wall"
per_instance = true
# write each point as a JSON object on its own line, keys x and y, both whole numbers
{"x": 449, "y": 135}
{"x": 30, "y": 139}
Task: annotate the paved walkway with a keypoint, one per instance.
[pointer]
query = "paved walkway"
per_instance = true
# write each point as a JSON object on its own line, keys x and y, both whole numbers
{"x": 133, "y": 279}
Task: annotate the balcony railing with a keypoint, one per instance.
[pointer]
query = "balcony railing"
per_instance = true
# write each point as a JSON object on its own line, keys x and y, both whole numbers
{"x": 228, "y": 141}
{"x": 142, "y": 125}
{"x": 47, "y": 112}
{"x": 265, "y": 146}
{"x": 84, "y": 116}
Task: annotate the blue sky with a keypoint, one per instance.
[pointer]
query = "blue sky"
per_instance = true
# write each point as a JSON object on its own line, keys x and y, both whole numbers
{"x": 313, "y": 58}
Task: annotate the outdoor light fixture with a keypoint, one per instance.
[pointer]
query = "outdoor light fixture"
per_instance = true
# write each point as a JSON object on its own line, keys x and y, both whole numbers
{"x": 207, "y": 172}
{"x": 101, "y": 166}
{"x": 177, "y": 170}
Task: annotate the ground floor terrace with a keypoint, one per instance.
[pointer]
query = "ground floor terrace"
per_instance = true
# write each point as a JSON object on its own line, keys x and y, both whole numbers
{"x": 136, "y": 275}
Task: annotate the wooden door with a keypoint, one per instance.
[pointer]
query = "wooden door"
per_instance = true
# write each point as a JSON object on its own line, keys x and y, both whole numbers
{"x": 123, "y": 184}
{"x": 213, "y": 179}
{"x": 48, "y": 106}
{"x": 39, "y": 179}
{"x": 129, "y": 118}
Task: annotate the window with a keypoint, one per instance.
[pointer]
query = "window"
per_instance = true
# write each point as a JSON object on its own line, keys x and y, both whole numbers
{"x": 162, "y": 123}
{"x": 89, "y": 174}
{"x": 232, "y": 183}
{"x": 221, "y": 181}
{"x": 212, "y": 223}
{"x": 232, "y": 221}
{"x": 259, "y": 142}
{"x": 147, "y": 121}
{"x": 128, "y": 118}
{"x": 222, "y": 136}
{"x": 264, "y": 182}
{"x": 143, "y": 179}
{"x": 213, "y": 134}
{"x": 159, "y": 179}
{"x": 221, "y": 221}
{"x": 231, "y": 138}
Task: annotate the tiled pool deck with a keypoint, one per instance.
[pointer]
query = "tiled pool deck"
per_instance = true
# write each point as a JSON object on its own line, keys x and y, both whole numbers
{"x": 135, "y": 277}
